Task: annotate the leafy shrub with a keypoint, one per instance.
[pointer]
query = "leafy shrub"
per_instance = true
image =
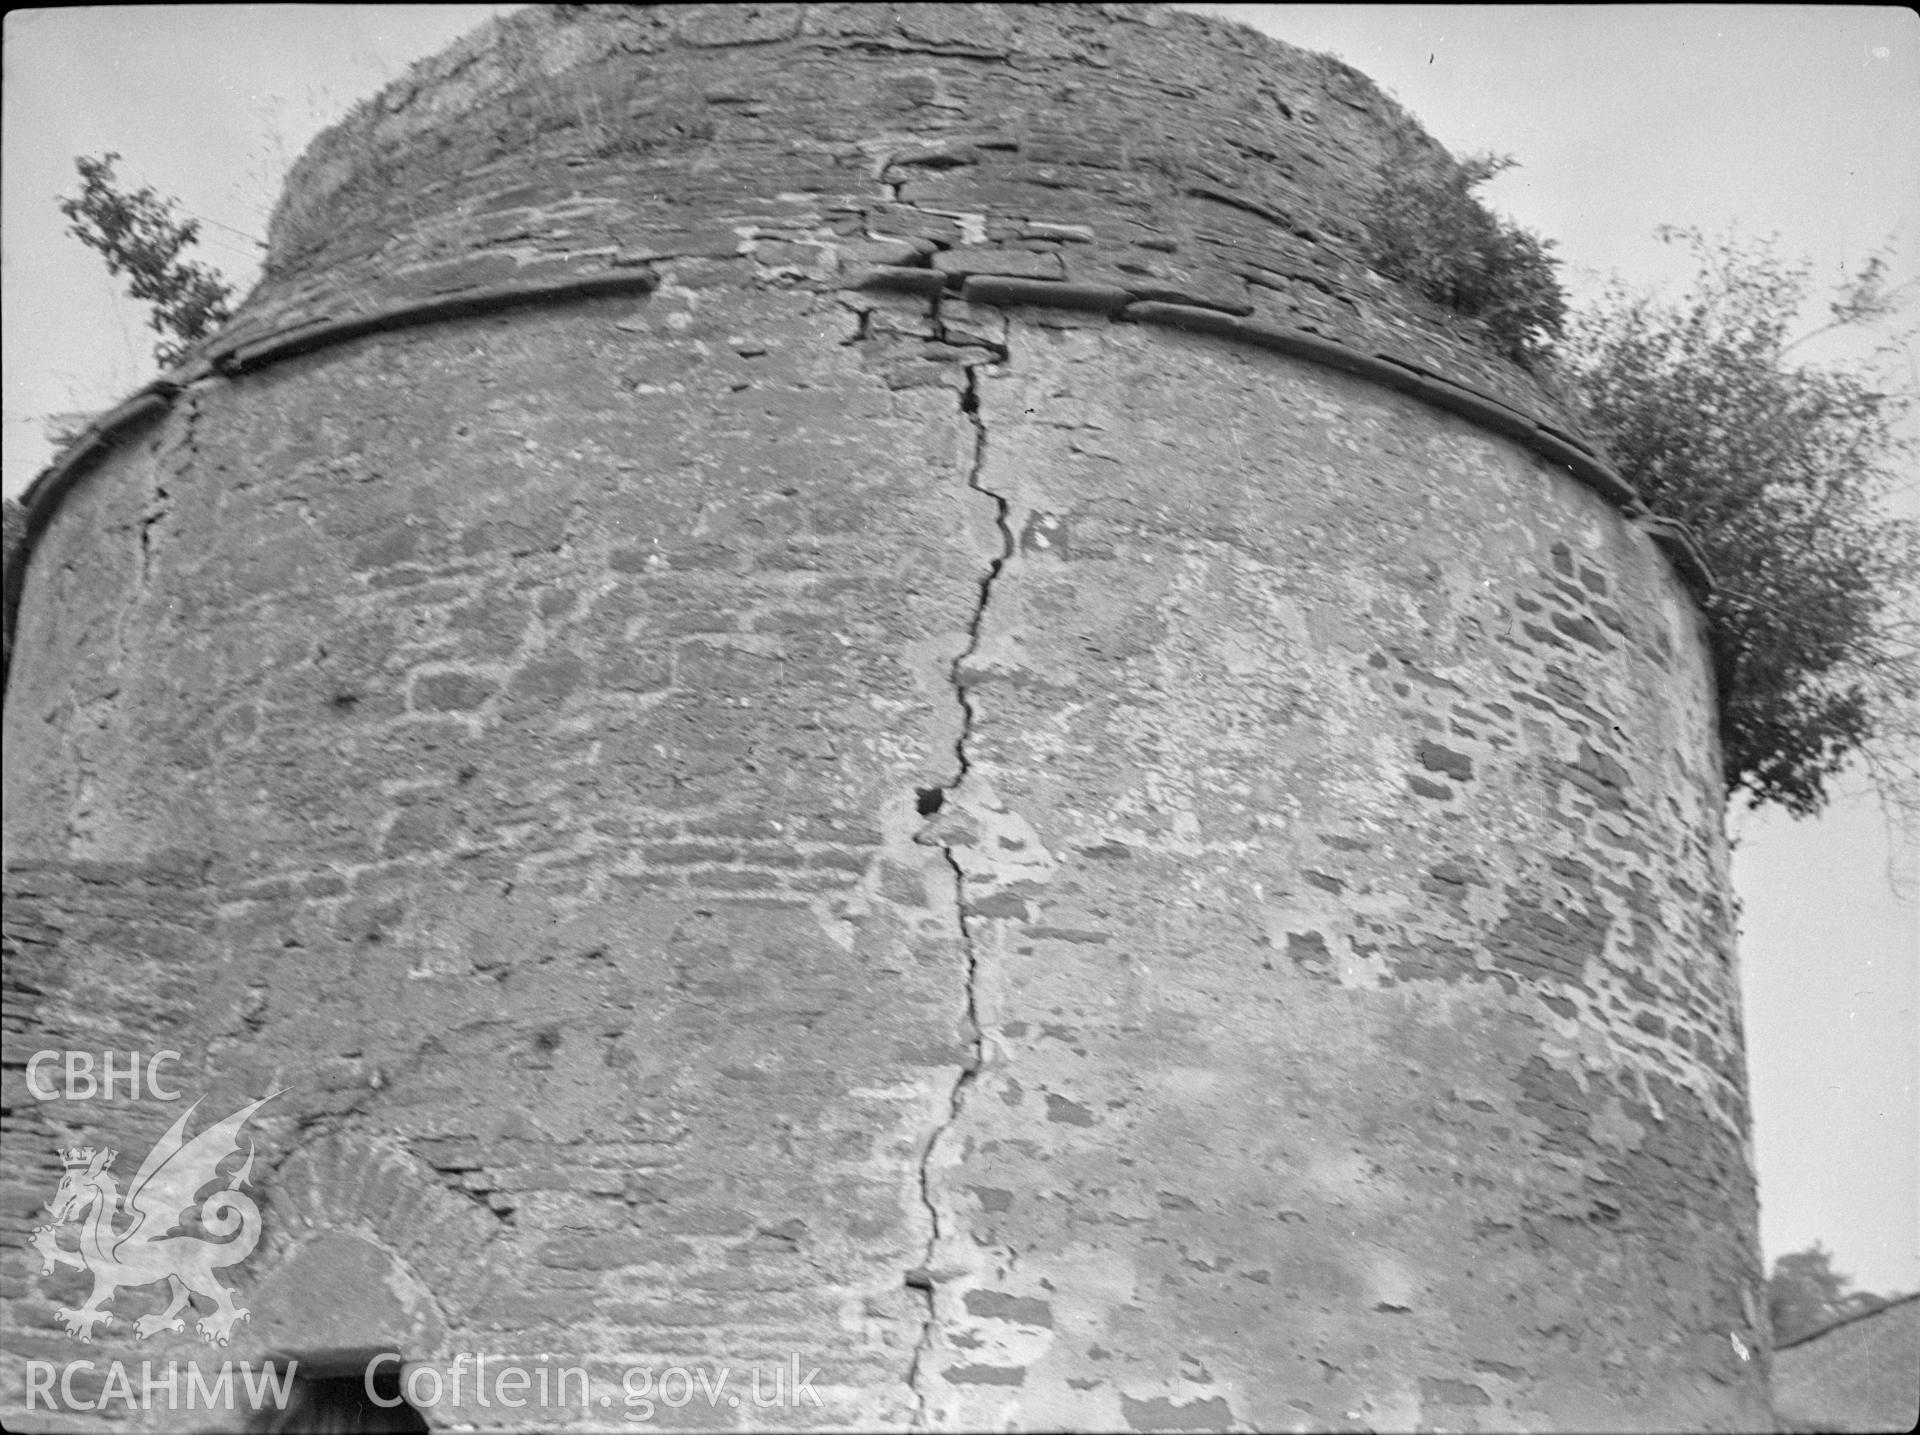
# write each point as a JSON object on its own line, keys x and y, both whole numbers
{"x": 1782, "y": 470}
{"x": 138, "y": 235}
{"x": 1426, "y": 229}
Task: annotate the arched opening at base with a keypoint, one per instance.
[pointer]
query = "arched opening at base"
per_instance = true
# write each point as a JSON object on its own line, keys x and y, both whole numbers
{"x": 353, "y": 1391}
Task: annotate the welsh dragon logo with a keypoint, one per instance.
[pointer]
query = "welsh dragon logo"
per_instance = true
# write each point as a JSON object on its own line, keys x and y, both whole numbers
{"x": 146, "y": 1250}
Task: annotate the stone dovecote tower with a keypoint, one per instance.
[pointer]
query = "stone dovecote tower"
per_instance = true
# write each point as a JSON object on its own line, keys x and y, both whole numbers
{"x": 833, "y": 683}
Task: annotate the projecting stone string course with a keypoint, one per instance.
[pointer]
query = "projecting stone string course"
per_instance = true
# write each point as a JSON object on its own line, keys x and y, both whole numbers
{"x": 832, "y": 683}
{"x": 232, "y": 357}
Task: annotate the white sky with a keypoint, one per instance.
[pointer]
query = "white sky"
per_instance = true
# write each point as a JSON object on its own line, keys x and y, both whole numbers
{"x": 1801, "y": 121}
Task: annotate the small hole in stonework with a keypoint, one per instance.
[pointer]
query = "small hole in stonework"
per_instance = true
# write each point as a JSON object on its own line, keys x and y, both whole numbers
{"x": 346, "y": 702}
{"x": 927, "y": 800}
{"x": 939, "y": 161}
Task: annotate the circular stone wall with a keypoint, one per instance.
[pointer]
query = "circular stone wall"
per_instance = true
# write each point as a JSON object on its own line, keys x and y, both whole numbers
{"x": 833, "y": 688}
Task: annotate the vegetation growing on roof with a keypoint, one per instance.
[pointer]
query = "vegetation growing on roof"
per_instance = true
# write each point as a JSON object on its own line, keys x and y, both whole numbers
{"x": 1782, "y": 469}
{"x": 141, "y": 236}
{"x": 1427, "y": 229}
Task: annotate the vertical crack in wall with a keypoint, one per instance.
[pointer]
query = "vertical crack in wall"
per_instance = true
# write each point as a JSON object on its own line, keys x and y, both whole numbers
{"x": 92, "y": 728}
{"x": 926, "y": 1278}
{"x": 159, "y": 505}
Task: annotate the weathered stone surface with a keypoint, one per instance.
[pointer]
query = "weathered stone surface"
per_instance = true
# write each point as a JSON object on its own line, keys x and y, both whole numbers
{"x": 1295, "y": 1109}
{"x": 1160, "y": 152}
{"x": 1066, "y": 872}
